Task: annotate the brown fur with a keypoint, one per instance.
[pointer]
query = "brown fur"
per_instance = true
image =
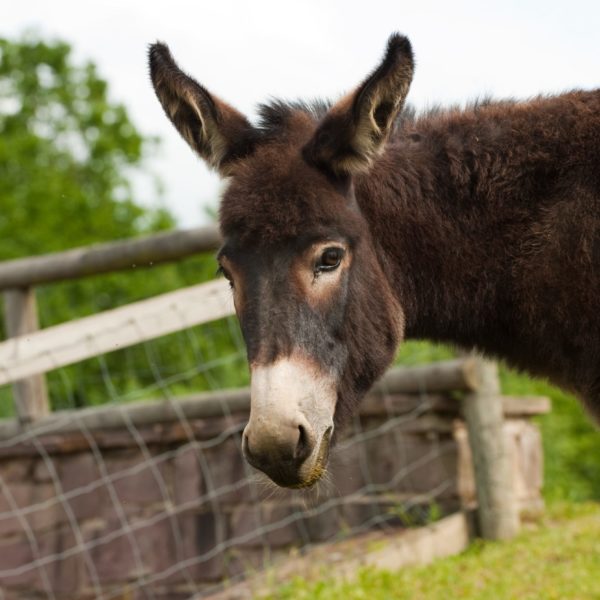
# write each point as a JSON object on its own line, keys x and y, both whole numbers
{"x": 477, "y": 227}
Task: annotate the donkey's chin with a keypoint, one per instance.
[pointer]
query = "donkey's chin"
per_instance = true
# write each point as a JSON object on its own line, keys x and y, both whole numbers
{"x": 298, "y": 481}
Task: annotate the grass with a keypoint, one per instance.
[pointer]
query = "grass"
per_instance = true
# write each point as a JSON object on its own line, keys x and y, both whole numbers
{"x": 556, "y": 558}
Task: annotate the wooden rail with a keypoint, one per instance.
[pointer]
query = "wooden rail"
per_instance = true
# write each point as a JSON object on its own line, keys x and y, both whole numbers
{"x": 68, "y": 343}
{"x": 18, "y": 278}
{"x": 105, "y": 258}
{"x": 396, "y": 385}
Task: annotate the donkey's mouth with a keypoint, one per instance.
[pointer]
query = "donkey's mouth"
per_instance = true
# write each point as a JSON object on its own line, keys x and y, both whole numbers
{"x": 319, "y": 466}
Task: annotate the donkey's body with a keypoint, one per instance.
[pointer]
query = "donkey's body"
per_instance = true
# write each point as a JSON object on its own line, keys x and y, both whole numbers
{"x": 489, "y": 221}
{"x": 342, "y": 236}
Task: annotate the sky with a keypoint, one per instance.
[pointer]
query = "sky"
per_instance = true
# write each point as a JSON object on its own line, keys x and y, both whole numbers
{"x": 246, "y": 52}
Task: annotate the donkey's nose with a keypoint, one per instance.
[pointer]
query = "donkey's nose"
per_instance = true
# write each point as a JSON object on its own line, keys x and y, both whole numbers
{"x": 279, "y": 449}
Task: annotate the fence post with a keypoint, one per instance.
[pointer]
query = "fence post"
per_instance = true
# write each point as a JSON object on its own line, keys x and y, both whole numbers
{"x": 20, "y": 318}
{"x": 497, "y": 508}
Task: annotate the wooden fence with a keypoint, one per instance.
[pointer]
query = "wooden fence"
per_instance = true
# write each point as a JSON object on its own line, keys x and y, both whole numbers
{"x": 29, "y": 352}
{"x": 26, "y": 357}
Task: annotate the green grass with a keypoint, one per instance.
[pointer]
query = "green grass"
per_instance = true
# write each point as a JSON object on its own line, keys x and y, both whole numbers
{"x": 557, "y": 558}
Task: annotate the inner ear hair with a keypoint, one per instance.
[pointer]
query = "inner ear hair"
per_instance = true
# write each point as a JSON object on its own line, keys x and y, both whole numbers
{"x": 387, "y": 86}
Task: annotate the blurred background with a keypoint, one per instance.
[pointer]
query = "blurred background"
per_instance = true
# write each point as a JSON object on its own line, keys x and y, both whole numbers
{"x": 246, "y": 52}
{"x": 87, "y": 156}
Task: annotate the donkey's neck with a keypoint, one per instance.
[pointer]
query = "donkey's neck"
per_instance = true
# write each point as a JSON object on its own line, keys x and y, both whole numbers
{"x": 437, "y": 258}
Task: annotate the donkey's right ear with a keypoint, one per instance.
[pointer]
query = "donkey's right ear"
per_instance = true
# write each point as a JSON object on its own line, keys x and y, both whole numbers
{"x": 215, "y": 130}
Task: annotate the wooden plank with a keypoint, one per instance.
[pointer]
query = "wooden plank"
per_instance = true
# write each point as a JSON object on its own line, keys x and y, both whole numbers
{"x": 395, "y": 403}
{"x": 483, "y": 411}
{"x": 71, "y": 342}
{"x": 104, "y": 258}
{"x": 458, "y": 374}
{"x": 75, "y": 341}
{"x": 20, "y": 317}
{"x": 139, "y": 414}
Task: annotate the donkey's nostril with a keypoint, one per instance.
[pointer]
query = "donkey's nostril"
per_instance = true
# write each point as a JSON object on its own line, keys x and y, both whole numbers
{"x": 245, "y": 444}
{"x": 303, "y": 446}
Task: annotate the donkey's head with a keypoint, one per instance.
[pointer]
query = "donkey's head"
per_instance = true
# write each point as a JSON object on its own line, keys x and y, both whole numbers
{"x": 319, "y": 318}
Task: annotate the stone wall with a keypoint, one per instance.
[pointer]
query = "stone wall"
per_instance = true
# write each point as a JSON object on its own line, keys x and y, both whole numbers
{"x": 170, "y": 510}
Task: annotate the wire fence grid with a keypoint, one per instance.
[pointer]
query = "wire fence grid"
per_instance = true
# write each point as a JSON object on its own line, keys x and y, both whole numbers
{"x": 170, "y": 510}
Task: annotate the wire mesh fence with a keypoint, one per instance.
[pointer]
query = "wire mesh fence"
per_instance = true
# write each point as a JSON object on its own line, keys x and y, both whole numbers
{"x": 169, "y": 509}
{"x": 135, "y": 486}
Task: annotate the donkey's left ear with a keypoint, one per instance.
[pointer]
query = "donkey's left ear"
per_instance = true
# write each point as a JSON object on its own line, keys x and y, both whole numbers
{"x": 214, "y": 130}
{"x": 355, "y": 130}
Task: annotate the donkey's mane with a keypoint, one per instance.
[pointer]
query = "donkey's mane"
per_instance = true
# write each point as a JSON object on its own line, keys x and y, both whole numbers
{"x": 274, "y": 114}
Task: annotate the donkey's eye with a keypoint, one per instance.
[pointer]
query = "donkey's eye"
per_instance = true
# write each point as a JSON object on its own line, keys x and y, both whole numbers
{"x": 330, "y": 259}
{"x": 226, "y": 274}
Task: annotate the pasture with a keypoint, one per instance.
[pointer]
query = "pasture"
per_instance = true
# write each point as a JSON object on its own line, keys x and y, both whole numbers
{"x": 554, "y": 558}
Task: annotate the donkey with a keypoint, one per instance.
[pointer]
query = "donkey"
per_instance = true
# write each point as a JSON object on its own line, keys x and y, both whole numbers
{"x": 350, "y": 226}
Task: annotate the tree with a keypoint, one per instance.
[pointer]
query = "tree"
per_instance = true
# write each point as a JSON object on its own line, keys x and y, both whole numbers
{"x": 65, "y": 152}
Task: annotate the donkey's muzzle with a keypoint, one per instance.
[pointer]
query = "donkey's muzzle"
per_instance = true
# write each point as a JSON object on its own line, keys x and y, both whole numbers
{"x": 291, "y": 419}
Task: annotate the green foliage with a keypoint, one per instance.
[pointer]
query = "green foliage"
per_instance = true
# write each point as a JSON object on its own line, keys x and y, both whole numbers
{"x": 555, "y": 559}
{"x": 417, "y": 516}
{"x": 416, "y": 352}
{"x": 571, "y": 441}
{"x": 66, "y": 152}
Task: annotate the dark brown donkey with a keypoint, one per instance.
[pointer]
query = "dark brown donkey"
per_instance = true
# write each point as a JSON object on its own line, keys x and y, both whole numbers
{"x": 351, "y": 226}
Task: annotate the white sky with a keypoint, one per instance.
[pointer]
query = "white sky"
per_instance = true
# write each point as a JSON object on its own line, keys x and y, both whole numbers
{"x": 247, "y": 51}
